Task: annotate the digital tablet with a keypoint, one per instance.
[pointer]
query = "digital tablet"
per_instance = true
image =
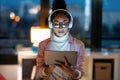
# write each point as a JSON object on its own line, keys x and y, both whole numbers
{"x": 52, "y": 56}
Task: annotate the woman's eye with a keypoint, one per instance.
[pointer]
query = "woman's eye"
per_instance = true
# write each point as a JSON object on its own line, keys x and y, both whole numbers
{"x": 56, "y": 25}
{"x": 64, "y": 26}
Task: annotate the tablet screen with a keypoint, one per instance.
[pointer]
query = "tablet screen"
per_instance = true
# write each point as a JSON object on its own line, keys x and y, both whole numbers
{"x": 52, "y": 56}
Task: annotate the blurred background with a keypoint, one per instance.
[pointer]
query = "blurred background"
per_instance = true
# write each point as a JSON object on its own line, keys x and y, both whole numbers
{"x": 96, "y": 23}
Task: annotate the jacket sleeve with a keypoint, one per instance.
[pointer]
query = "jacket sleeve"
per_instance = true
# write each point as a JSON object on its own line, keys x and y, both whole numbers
{"x": 80, "y": 59}
{"x": 80, "y": 48}
{"x": 40, "y": 63}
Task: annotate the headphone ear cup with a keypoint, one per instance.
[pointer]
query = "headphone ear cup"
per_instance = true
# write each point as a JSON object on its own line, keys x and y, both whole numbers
{"x": 71, "y": 21}
{"x": 70, "y": 25}
{"x": 50, "y": 24}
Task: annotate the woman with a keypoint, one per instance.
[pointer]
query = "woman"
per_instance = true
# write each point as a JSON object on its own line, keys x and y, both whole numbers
{"x": 60, "y": 22}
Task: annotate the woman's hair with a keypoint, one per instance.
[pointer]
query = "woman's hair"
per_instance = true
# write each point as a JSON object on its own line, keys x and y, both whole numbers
{"x": 59, "y": 4}
{"x": 60, "y": 12}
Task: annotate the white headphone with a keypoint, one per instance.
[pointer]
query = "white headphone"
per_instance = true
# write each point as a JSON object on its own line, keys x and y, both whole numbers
{"x": 50, "y": 22}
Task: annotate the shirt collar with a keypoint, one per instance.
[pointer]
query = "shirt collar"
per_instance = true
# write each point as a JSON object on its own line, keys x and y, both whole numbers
{"x": 70, "y": 38}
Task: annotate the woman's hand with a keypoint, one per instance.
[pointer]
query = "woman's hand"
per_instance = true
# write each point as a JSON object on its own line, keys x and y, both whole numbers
{"x": 65, "y": 66}
{"x": 49, "y": 69}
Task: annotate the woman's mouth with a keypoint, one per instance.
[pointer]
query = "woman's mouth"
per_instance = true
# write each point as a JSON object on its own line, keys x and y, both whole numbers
{"x": 61, "y": 31}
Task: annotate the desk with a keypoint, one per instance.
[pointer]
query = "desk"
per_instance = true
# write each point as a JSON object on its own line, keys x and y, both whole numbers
{"x": 25, "y": 55}
{"x": 27, "y": 60}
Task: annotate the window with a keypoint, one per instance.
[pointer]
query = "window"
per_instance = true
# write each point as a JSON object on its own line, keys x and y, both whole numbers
{"x": 16, "y": 18}
{"x": 111, "y": 24}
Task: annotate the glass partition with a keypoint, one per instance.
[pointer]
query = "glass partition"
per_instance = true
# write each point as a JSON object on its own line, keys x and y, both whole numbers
{"x": 111, "y": 24}
{"x": 16, "y": 18}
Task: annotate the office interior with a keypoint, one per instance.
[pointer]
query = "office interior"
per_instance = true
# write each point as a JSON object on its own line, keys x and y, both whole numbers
{"x": 23, "y": 24}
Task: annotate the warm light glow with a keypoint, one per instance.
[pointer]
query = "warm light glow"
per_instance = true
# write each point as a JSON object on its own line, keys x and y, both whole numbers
{"x": 39, "y": 34}
{"x": 12, "y": 15}
{"x": 34, "y": 10}
{"x": 17, "y": 18}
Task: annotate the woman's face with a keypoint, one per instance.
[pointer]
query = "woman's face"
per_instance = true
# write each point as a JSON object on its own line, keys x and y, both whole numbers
{"x": 60, "y": 24}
